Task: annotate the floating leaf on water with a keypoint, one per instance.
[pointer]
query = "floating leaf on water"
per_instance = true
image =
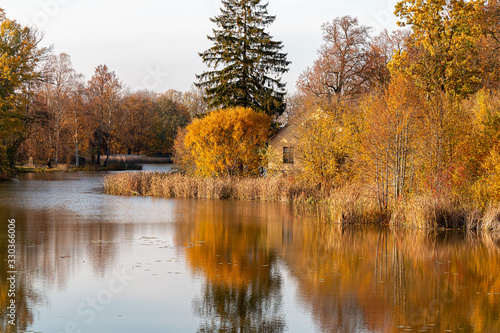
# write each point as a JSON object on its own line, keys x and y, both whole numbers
{"x": 98, "y": 241}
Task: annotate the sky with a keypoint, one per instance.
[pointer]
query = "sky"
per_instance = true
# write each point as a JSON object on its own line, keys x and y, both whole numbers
{"x": 154, "y": 44}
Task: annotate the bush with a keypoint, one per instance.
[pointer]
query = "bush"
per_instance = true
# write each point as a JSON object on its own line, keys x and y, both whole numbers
{"x": 227, "y": 142}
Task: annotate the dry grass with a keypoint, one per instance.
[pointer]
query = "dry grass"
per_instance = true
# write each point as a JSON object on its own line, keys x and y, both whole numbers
{"x": 488, "y": 220}
{"x": 350, "y": 205}
{"x": 430, "y": 212}
{"x": 169, "y": 185}
{"x": 344, "y": 205}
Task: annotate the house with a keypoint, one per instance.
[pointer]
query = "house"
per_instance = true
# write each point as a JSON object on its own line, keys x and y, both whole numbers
{"x": 284, "y": 147}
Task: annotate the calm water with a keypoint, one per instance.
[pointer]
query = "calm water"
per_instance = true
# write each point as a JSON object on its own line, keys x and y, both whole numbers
{"x": 89, "y": 262}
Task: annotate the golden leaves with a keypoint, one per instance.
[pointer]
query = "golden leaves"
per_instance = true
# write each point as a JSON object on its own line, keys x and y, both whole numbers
{"x": 227, "y": 142}
{"x": 444, "y": 46}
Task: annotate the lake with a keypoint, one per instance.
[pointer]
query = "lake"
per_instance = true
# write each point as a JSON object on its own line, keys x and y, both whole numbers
{"x": 90, "y": 262}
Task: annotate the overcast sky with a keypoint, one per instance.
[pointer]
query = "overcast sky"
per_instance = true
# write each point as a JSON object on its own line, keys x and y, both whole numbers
{"x": 154, "y": 44}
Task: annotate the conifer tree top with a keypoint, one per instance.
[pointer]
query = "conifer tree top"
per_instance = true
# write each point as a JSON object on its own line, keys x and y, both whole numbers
{"x": 246, "y": 63}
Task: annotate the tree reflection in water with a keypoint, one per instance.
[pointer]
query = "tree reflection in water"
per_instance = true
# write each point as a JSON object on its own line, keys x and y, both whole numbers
{"x": 346, "y": 278}
{"x": 26, "y": 297}
{"x": 350, "y": 278}
{"x": 242, "y": 289}
{"x": 47, "y": 246}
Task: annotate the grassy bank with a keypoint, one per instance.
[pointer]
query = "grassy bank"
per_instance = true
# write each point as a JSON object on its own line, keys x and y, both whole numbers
{"x": 344, "y": 205}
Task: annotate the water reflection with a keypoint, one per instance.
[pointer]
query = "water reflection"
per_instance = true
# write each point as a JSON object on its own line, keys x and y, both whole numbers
{"x": 225, "y": 266}
{"x": 350, "y": 279}
{"x": 73, "y": 241}
{"x": 231, "y": 247}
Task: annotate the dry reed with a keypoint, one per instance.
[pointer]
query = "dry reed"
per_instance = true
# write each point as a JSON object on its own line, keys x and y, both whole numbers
{"x": 431, "y": 212}
{"x": 344, "y": 205}
{"x": 171, "y": 185}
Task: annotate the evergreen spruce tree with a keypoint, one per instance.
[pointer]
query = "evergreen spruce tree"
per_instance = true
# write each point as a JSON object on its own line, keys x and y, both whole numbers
{"x": 247, "y": 64}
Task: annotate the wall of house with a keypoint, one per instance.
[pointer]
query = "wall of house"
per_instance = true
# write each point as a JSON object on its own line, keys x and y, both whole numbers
{"x": 286, "y": 137}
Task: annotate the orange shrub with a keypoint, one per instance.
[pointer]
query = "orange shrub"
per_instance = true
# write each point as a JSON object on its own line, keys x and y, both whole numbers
{"x": 227, "y": 142}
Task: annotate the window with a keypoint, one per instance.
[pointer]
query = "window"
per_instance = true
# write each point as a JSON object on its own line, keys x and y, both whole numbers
{"x": 288, "y": 155}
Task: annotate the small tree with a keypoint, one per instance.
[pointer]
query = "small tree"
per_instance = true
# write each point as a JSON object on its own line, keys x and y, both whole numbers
{"x": 56, "y": 94}
{"x": 227, "y": 142}
{"x": 137, "y": 133}
{"x": 388, "y": 140}
{"x": 327, "y": 143}
{"x": 247, "y": 64}
{"x": 170, "y": 117}
{"x": 104, "y": 91}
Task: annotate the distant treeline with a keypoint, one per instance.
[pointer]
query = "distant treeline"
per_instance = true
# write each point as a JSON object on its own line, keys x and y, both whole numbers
{"x": 70, "y": 117}
{"x": 50, "y": 115}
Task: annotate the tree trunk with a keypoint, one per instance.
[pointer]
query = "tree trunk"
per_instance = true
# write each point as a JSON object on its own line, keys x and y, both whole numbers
{"x": 107, "y": 153}
{"x": 77, "y": 158}
{"x": 56, "y": 160}
{"x": 107, "y": 159}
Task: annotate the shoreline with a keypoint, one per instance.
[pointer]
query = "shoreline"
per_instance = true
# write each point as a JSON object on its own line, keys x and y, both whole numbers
{"x": 86, "y": 168}
{"x": 346, "y": 205}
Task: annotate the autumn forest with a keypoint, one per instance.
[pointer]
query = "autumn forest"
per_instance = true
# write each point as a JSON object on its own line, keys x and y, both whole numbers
{"x": 364, "y": 197}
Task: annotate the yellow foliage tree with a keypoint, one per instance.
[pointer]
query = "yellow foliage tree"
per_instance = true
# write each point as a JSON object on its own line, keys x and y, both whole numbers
{"x": 327, "y": 142}
{"x": 20, "y": 55}
{"x": 443, "y": 51}
{"x": 484, "y": 148}
{"x": 227, "y": 142}
{"x": 482, "y": 130}
{"x": 388, "y": 140}
{"x": 487, "y": 188}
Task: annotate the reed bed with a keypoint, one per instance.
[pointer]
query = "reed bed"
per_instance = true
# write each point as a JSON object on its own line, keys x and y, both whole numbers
{"x": 431, "y": 212}
{"x": 343, "y": 205}
{"x": 170, "y": 185}
{"x": 350, "y": 205}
